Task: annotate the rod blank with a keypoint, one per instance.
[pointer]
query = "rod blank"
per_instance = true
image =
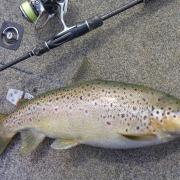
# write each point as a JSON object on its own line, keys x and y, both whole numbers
{"x": 121, "y": 9}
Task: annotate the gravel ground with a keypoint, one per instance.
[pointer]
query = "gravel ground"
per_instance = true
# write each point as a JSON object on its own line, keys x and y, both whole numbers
{"x": 140, "y": 46}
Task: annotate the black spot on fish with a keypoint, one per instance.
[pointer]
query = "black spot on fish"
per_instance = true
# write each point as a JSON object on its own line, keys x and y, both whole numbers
{"x": 134, "y": 108}
{"x": 108, "y": 123}
{"x": 81, "y": 97}
{"x": 137, "y": 127}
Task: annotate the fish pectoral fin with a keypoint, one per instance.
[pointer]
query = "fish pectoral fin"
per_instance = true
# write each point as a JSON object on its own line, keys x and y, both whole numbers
{"x": 161, "y": 130}
{"x": 62, "y": 144}
{"x": 30, "y": 141}
{"x": 164, "y": 137}
{"x": 142, "y": 137}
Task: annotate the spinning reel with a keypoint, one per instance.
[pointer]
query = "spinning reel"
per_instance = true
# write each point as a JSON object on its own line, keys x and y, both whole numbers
{"x": 40, "y": 12}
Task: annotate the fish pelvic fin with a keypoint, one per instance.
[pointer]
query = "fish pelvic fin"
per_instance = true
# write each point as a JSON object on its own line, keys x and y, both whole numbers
{"x": 63, "y": 144}
{"x": 30, "y": 141}
{"x": 4, "y": 140}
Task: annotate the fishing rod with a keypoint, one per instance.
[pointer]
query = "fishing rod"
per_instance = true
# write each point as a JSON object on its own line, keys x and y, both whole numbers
{"x": 33, "y": 13}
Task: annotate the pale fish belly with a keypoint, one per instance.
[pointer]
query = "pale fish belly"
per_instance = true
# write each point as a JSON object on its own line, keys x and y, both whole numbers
{"x": 121, "y": 142}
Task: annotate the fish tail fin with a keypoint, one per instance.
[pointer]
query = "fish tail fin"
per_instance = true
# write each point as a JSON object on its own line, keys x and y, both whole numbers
{"x": 4, "y": 141}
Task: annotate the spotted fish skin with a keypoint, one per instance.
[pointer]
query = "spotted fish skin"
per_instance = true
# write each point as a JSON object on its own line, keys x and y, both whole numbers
{"x": 100, "y": 113}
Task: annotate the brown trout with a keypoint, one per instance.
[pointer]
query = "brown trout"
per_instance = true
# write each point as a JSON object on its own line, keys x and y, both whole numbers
{"x": 98, "y": 113}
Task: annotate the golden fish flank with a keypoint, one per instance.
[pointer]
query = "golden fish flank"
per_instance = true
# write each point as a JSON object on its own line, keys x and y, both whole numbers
{"x": 99, "y": 113}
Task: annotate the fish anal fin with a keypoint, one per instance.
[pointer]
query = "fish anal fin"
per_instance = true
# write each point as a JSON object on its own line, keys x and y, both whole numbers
{"x": 4, "y": 140}
{"x": 4, "y": 143}
{"x": 62, "y": 144}
{"x": 30, "y": 141}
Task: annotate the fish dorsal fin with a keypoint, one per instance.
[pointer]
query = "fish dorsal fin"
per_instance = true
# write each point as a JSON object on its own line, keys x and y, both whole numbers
{"x": 30, "y": 141}
{"x": 145, "y": 137}
{"x": 79, "y": 75}
{"x": 61, "y": 144}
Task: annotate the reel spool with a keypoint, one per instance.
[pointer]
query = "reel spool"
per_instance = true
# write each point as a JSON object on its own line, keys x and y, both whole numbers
{"x": 40, "y": 12}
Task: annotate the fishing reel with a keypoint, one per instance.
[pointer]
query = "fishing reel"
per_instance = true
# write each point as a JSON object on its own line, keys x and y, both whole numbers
{"x": 40, "y": 12}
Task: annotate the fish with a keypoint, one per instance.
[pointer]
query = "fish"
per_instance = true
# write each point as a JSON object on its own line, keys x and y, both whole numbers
{"x": 98, "y": 113}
